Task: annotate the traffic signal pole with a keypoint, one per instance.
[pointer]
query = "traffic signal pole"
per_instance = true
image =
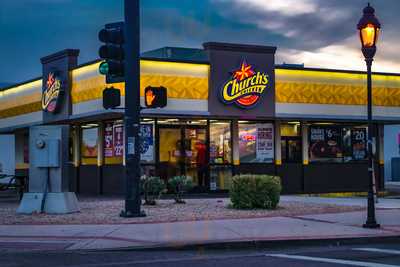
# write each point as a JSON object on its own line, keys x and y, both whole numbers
{"x": 132, "y": 110}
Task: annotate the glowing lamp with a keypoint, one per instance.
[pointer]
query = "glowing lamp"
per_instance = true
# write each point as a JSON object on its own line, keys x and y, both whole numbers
{"x": 369, "y": 28}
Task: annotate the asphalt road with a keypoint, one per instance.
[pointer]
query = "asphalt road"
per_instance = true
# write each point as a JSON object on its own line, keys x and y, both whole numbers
{"x": 371, "y": 255}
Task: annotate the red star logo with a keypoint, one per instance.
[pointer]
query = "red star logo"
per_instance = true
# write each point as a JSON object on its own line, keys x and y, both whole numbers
{"x": 244, "y": 72}
{"x": 50, "y": 80}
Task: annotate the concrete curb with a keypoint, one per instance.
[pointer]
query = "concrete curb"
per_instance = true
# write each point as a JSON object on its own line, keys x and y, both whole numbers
{"x": 259, "y": 244}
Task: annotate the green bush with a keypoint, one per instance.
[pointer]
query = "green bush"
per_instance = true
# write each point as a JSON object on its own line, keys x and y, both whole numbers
{"x": 250, "y": 191}
{"x": 178, "y": 185}
{"x": 152, "y": 188}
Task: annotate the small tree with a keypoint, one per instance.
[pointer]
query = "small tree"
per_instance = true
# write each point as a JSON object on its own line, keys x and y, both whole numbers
{"x": 152, "y": 187}
{"x": 178, "y": 185}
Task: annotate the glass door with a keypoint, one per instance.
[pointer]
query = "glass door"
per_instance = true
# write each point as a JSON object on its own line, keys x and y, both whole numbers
{"x": 170, "y": 152}
{"x": 195, "y": 156}
{"x": 291, "y": 149}
{"x": 183, "y": 151}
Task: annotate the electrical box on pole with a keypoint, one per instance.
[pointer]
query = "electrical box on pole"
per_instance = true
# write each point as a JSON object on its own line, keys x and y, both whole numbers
{"x": 112, "y": 51}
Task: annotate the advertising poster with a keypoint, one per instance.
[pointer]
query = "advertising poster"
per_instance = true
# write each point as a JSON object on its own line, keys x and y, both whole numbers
{"x": 359, "y": 143}
{"x": 325, "y": 142}
{"x": 247, "y": 142}
{"x": 108, "y": 140}
{"x": 265, "y": 142}
{"x": 146, "y": 142}
{"x": 118, "y": 140}
{"x": 89, "y": 142}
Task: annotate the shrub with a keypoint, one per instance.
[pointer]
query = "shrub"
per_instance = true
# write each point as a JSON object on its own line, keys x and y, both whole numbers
{"x": 250, "y": 191}
{"x": 152, "y": 188}
{"x": 178, "y": 185}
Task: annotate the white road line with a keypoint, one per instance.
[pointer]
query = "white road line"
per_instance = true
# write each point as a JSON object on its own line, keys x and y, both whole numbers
{"x": 348, "y": 262}
{"x": 388, "y": 251}
{"x": 36, "y": 241}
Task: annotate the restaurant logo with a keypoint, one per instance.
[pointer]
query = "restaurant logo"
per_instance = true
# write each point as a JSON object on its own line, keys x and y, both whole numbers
{"x": 245, "y": 87}
{"x": 51, "y": 95}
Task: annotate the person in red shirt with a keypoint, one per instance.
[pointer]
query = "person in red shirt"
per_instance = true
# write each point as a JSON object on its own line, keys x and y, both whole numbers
{"x": 201, "y": 161}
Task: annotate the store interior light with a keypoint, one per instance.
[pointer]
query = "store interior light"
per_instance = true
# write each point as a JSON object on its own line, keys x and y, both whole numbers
{"x": 324, "y": 123}
{"x": 90, "y": 125}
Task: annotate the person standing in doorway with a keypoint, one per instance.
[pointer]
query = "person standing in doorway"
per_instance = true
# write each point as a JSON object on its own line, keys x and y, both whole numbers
{"x": 201, "y": 161}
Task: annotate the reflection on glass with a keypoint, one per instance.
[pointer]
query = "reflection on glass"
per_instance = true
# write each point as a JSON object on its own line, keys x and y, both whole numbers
{"x": 196, "y": 155}
{"x": 170, "y": 145}
{"x": 220, "y": 142}
{"x": 337, "y": 143}
{"x": 220, "y": 177}
{"x": 89, "y": 142}
{"x": 256, "y": 142}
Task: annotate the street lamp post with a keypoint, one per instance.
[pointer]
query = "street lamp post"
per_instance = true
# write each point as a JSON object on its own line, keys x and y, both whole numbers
{"x": 369, "y": 28}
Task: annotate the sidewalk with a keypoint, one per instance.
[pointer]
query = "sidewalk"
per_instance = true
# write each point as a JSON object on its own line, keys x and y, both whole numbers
{"x": 172, "y": 234}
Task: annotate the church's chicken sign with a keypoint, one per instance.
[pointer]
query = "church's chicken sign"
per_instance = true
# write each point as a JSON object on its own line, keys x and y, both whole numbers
{"x": 245, "y": 87}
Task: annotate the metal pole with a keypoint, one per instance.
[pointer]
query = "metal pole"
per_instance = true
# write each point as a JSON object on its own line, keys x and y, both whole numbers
{"x": 371, "y": 221}
{"x": 132, "y": 110}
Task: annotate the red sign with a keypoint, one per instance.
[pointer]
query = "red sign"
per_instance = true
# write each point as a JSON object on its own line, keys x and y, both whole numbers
{"x": 118, "y": 140}
{"x": 108, "y": 140}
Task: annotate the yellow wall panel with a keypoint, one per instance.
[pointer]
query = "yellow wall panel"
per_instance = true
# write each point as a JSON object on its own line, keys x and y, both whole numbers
{"x": 178, "y": 87}
{"x": 343, "y": 94}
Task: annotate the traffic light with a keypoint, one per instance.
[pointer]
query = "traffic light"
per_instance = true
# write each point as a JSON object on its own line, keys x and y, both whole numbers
{"x": 111, "y": 98}
{"x": 112, "y": 52}
{"x": 155, "y": 97}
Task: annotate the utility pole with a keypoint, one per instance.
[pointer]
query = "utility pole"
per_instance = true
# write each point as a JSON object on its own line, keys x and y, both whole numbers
{"x": 132, "y": 110}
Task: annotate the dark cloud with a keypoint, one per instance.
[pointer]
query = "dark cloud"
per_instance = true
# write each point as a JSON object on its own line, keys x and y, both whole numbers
{"x": 31, "y": 29}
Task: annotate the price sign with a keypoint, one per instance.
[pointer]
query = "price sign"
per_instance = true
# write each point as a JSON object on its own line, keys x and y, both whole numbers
{"x": 118, "y": 140}
{"x": 108, "y": 140}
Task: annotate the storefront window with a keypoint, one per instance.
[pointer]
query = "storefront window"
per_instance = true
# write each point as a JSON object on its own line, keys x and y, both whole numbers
{"x": 72, "y": 137}
{"x": 114, "y": 142}
{"x": 26, "y": 148}
{"x": 89, "y": 144}
{"x": 147, "y": 141}
{"x": 335, "y": 143}
{"x": 256, "y": 142}
{"x": 291, "y": 142}
{"x": 220, "y": 177}
{"x": 220, "y": 142}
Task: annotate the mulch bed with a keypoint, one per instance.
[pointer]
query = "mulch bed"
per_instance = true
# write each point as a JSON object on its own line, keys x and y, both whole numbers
{"x": 102, "y": 210}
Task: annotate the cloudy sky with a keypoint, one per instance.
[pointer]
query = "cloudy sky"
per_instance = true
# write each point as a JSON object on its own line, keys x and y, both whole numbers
{"x": 318, "y": 33}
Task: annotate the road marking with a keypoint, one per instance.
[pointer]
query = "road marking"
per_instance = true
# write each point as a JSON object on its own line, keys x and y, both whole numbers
{"x": 36, "y": 241}
{"x": 388, "y": 251}
{"x": 327, "y": 260}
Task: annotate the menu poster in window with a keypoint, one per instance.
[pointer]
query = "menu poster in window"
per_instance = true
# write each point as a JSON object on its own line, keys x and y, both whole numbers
{"x": 89, "y": 142}
{"x": 108, "y": 140}
{"x": 325, "y": 142}
{"x": 265, "y": 142}
{"x": 359, "y": 143}
{"x": 118, "y": 140}
{"x": 146, "y": 142}
{"x": 247, "y": 142}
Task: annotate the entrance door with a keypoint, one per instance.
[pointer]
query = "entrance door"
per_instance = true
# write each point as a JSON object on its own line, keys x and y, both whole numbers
{"x": 195, "y": 163}
{"x": 183, "y": 151}
{"x": 170, "y": 152}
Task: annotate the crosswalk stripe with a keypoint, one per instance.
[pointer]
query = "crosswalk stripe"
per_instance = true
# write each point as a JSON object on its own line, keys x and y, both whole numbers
{"x": 388, "y": 251}
{"x": 327, "y": 260}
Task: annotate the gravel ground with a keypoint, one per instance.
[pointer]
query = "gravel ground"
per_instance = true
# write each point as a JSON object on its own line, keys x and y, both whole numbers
{"x": 102, "y": 210}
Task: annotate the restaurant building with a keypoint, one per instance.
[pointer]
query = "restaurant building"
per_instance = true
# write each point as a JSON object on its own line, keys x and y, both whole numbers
{"x": 230, "y": 110}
